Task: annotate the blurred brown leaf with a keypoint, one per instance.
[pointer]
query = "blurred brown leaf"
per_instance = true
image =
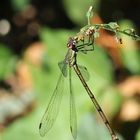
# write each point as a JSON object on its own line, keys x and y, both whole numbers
{"x": 130, "y": 87}
{"x": 130, "y": 110}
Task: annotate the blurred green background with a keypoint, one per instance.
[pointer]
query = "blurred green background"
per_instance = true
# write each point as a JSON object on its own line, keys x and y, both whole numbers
{"x": 33, "y": 38}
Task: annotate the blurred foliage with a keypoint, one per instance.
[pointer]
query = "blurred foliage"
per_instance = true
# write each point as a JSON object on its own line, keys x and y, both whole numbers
{"x": 90, "y": 128}
{"x": 7, "y": 62}
{"x": 111, "y": 96}
{"x": 19, "y": 5}
{"x": 76, "y": 9}
{"x": 130, "y": 53}
{"x": 138, "y": 135}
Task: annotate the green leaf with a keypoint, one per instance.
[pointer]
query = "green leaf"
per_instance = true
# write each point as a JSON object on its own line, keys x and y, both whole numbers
{"x": 7, "y": 62}
{"x": 99, "y": 67}
{"x": 92, "y": 129}
{"x": 19, "y": 5}
{"x": 76, "y": 9}
{"x": 138, "y": 134}
{"x": 129, "y": 51}
{"x": 111, "y": 100}
{"x": 131, "y": 59}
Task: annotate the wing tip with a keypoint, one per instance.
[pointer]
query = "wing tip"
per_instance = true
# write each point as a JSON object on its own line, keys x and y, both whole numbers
{"x": 40, "y": 125}
{"x": 74, "y": 135}
{"x": 40, "y": 130}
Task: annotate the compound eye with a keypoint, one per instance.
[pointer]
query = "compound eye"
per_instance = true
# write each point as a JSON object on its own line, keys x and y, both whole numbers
{"x": 68, "y": 45}
{"x": 74, "y": 42}
{"x": 71, "y": 43}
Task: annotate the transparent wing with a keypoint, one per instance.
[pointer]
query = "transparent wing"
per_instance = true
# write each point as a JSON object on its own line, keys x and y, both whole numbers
{"x": 73, "y": 117}
{"x": 84, "y": 72}
{"x": 63, "y": 67}
{"x": 51, "y": 112}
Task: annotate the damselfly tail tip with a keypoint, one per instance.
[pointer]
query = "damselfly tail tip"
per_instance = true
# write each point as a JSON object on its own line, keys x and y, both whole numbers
{"x": 42, "y": 134}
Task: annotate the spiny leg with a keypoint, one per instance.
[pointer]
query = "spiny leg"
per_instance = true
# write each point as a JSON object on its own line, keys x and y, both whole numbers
{"x": 82, "y": 47}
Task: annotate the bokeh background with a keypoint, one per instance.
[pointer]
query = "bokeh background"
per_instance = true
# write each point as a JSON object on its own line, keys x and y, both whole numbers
{"x": 33, "y": 38}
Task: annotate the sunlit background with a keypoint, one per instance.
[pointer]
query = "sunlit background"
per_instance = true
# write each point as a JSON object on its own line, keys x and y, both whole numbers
{"x": 33, "y": 38}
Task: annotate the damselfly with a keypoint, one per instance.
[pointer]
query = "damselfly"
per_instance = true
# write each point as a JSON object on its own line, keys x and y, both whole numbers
{"x": 75, "y": 44}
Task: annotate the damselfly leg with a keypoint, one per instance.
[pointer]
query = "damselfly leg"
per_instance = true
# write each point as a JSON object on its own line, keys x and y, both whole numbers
{"x": 89, "y": 36}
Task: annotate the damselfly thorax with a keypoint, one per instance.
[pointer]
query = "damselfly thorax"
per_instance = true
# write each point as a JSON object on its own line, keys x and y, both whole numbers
{"x": 70, "y": 57}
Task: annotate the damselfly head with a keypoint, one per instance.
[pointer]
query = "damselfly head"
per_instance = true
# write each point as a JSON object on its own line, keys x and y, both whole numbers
{"x": 71, "y": 43}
